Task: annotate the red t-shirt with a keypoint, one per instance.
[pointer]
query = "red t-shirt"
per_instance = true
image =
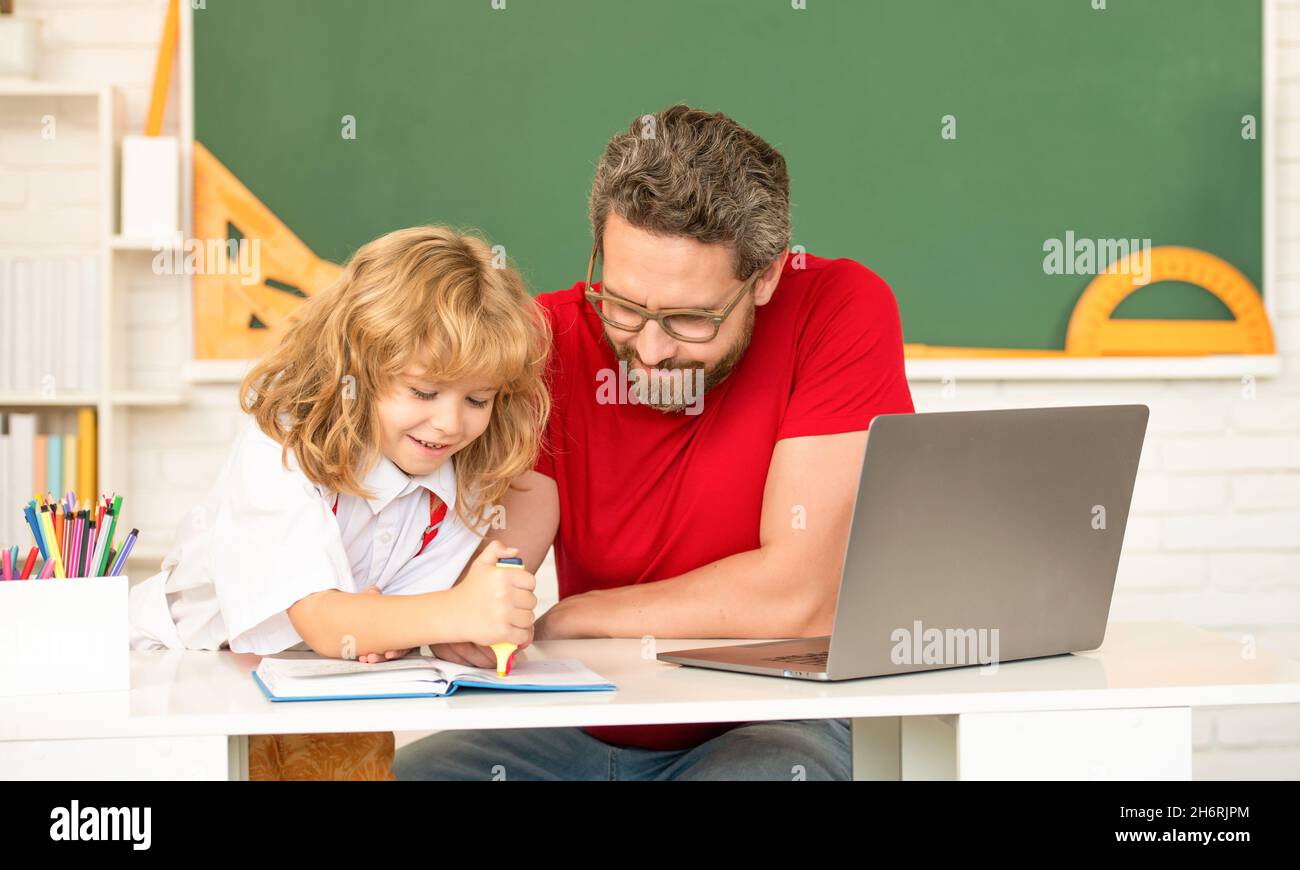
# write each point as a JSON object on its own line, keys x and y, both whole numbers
{"x": 645, "y": 496}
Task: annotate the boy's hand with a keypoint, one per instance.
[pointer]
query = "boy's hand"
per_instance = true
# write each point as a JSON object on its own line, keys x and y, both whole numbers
{"x": 495, "y": 604}
{"x": 374, "y": 658}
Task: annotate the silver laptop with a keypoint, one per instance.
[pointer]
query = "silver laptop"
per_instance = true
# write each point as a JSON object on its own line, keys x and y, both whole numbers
{"x": 977, "y": 537}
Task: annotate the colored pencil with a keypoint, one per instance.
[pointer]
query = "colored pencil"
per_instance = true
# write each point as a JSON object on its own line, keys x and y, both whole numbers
{"x": 29, "y": 564}
{"x": 124, "y": 553}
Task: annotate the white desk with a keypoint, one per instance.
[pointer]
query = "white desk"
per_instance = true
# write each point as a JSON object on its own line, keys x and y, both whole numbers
{"x": 1120, "y": 712}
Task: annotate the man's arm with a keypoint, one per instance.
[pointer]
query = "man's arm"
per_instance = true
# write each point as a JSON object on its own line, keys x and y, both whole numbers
{"x": 532, "y": 514}
{"x": 785, "y": 588}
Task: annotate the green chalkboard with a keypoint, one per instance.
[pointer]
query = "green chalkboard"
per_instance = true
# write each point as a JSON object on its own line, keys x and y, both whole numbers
{"x": 1117, "y": 123}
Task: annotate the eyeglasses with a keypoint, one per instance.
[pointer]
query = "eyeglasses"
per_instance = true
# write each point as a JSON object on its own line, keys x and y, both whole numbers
{"x": 695, "y": 325}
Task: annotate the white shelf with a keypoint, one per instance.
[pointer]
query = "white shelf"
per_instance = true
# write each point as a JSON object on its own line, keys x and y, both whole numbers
{"x": 123, "y": 243}
{"x": 36, "y": 400}
{"x": 122, "y": 398}
{"x": 11, "y": 87}
{"x": 1095, "y": 368}
{"x": 119, "y": 256}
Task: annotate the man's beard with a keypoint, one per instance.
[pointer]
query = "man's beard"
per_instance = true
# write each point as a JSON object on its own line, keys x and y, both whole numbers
{"x": 713, "y": 375}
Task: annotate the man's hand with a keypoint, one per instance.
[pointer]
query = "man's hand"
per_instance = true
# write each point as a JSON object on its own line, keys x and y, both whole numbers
{"x": 558, "y": 623}
{"x": 465, "y": 653}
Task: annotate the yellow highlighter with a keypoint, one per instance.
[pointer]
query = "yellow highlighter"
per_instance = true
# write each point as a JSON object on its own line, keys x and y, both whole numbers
{"x": 52, "y": 544}
{"x": 505, "y": 651}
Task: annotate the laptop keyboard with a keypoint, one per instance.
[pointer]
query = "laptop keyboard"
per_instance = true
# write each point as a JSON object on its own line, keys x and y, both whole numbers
{"x": 800, "y": 659}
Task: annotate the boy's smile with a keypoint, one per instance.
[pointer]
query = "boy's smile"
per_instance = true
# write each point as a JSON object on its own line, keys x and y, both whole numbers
{"x": 432, "y": 448}
{"x": 422, "y": 422}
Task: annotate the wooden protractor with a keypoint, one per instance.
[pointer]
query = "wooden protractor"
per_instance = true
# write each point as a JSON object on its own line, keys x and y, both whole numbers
{"x": 1092, "y": 332}
{"x": 234, "y": 319}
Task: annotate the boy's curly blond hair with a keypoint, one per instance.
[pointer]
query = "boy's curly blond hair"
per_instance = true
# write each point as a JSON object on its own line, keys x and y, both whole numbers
{"x": 412, "y": 295}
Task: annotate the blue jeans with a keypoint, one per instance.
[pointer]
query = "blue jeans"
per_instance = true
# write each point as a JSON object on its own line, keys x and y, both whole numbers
{"x": 815, "y": 749}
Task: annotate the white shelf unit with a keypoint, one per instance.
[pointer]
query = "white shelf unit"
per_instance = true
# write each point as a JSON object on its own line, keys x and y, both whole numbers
{"x": 115, "y": 396}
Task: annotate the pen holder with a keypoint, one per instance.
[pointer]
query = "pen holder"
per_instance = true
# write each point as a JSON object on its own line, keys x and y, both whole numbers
{"x": 61, "y": 636}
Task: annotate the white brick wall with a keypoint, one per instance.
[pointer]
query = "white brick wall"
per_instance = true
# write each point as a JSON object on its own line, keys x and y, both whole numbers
{"x": 49, "y": 187}
{"x": 1215, "y": 534}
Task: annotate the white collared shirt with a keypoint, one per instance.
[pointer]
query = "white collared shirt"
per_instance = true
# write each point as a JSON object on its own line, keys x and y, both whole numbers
{"x": 266, "y": 537}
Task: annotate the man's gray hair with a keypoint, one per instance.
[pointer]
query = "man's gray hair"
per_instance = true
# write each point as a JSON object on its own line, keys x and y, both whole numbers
{"x": 686, "y": 172}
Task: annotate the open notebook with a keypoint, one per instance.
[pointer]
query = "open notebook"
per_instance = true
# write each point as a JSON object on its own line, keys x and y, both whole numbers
{"x": 306, "y": 676}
